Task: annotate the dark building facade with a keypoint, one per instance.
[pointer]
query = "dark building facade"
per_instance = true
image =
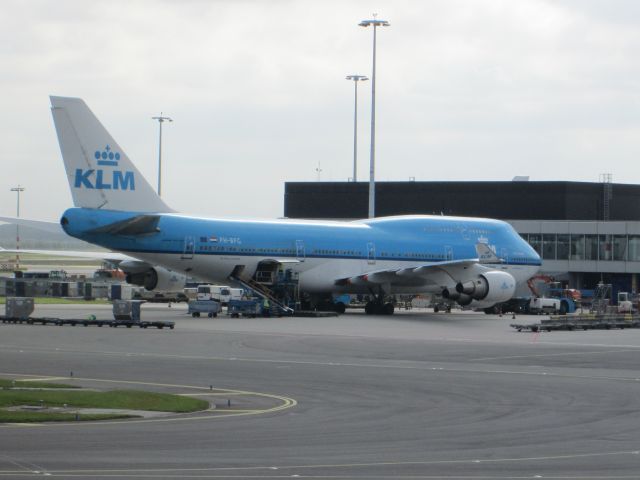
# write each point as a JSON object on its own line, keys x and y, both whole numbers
{"x": 563, "y": 221}
{"x": 502, "y": 200}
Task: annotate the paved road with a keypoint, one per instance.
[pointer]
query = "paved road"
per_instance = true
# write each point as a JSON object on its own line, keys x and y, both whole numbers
{"x": 415, "y": 395}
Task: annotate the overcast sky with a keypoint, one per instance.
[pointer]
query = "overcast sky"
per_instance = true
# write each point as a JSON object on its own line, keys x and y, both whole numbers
{"x": 466, "y": 90}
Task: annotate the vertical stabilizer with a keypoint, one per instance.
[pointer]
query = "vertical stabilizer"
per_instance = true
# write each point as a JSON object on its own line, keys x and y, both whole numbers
{"x": 100, "y": 174}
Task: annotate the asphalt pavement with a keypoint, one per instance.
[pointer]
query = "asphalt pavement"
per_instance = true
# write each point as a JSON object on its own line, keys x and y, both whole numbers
{"x": 414, "y": 395}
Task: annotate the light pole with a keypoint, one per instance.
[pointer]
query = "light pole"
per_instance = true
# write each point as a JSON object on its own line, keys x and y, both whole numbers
{"x": 161, "y": 120}
{"x": 18, "y": 189}
{"x": 356, "y": 79}
{"x": 375, "y": 23}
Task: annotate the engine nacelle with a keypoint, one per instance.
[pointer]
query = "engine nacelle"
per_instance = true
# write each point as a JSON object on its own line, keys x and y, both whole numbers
{"x": 493, "y": 287}
{"x": 157, "y": 278}
{"x": 461, "y": 299}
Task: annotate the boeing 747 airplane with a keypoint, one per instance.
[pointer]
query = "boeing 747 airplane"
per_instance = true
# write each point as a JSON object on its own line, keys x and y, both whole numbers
{"x": 472, "y": 261}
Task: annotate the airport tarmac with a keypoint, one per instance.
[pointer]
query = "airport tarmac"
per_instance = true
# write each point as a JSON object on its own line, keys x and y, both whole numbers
{"x": 415, "y": 395}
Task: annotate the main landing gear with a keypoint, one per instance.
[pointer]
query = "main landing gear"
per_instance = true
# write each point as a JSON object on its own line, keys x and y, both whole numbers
{"x": 378, "y": 306}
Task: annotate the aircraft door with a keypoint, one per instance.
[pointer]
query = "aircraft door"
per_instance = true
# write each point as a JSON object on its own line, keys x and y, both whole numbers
{"x": 371, "y": 253}
{"x": 300, "y": 254}
{"x": 448, "y": 252}
{"x": 189, "y": 248}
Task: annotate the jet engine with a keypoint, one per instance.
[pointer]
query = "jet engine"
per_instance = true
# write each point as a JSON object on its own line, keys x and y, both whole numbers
{"x": 155, "y": 278}
{"x": 493, "y": 287}
{"x": 461, "y": 299}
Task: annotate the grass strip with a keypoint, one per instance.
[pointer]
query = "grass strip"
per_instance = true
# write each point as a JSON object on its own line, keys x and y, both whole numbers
{"x": 122, "y": 399}
{"x": 6, "y": 383}
{"x": 42, "y": 417}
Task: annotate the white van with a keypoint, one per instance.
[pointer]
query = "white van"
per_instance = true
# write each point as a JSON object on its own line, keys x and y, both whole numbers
{"x": 236, "y": 293}
{"x": 219, "y": 293}
{"x": 204, "y": 292}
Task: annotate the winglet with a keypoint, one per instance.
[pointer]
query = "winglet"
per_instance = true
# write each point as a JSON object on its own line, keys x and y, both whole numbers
{"x": 485, "y": 254}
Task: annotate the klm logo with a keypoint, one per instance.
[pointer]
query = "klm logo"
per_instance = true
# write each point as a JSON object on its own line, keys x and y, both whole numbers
{"x": 105, "y": 179}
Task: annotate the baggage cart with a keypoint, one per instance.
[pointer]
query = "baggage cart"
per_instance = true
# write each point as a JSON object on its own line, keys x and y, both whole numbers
{"x": 127, "y": 310}
{"x": 19, "y": 308}
{"x": 209, "y": 307}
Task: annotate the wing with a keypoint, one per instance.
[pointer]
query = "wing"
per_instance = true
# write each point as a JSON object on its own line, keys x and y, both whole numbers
{"x": 420, "y": 275}
{"x": 442, "y": 274}
{"x": 112, "y": 257}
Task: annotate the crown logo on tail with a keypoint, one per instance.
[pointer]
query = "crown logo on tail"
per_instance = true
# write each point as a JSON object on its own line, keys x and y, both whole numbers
{"x": 107, "y": 157}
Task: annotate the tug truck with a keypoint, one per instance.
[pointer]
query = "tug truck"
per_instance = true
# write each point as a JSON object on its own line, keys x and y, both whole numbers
{"x": 538, "y": 305}
{"x": 625, "y": 305}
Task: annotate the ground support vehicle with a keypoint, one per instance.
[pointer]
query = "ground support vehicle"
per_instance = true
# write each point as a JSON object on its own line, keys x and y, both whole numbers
{"x": 514, "y": 305}
{"x": 535, "y": 306}
{"x": 246, "y": 308}
{"x": 219, "y": 293}
{"x": 625, "y": 305}
{"x": 581, "y": 322}
{"x": 198, "y": 307}
{"x": 539, "y": 305}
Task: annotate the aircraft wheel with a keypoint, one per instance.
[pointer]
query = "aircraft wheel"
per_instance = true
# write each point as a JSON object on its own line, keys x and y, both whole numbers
{"x": 436, "y": 309}
{"x": 340, "y": 307}
{"x": 388, "y": 308}
{"x": 370, "y": 308}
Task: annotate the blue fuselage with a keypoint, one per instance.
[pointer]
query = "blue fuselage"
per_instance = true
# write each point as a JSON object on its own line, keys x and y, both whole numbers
{"x": 322, "y": 251}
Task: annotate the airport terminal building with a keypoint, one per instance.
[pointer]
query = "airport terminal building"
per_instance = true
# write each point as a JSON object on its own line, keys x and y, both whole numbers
{"x": 584, "y": 232}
